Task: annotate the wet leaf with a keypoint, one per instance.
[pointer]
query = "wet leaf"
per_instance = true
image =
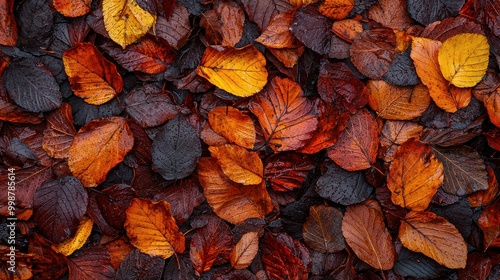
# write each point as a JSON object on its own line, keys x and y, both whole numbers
{"x": 234, "y": 125}
{"x": 72, "y": 8}
{"x": 137, "y": 265}
{"x": 395, "y": 133}
{"x": 240, "y": 72}
{"x": 280, "y": 262}
{"x": 489, "y": 222}
{"x": 277, "y": 34}
{"x": 176, "y": 28}
{"x": 91, "y": 76}
{"x": 390, "y": 13}
{"x": 285, "y": 115}
{"x": 357, "y": 146}
{"x": 232, "y": 18}
{"x": 322, "y": 230}
{"x": 98, "y": 147}
{"x": 262, "y": 11}
{"x": 245, "y": 250}
{"x": 238, "y": 164}
{"x": 59, "y": 134}
{"x": 312, "y": 29}
{"x": 411, "y": 264}
{"x": 152, "y": 229}
{"x": 8, "y": 26}
{"x": 485, "y": 197}
{"x": 414, "y": 175}
{"x": 68, "y": 246}
{"x": 336, "y": 9}
{"x": 365, "y": 232}
{"x": 92, "y": 263}
{"x": 428, "y": 11}
{"x": 427, "y": 233}
{"x": 287, "y": 171}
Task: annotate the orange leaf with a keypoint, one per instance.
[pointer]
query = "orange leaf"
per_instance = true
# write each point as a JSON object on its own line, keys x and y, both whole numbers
{"x": 241, "y": 72}
{"x": 238, "y": 164}
{"x": 357, "y": 147}
{"x": 285, "y": 115}
{"x": 414, "y": 175}
{"x": 289, "y": 57}
{"x": 395, "y": 133}
{"x": 91, "y": 76}
{"x": 397, "y": 103}
{"x": 235, "y": 126}
{"x": 492, "y": 104}
{"x": 322, "y": 229}
{"x": 424, "y": 53}
{"x": 489, "y": 222}
{"x": 245, "y": 250}
{"x": 98, "y": 147}
{"x": 277, "y": 34}
{"x": 435, "y": 237}
{"x": 75, "y": 242}
{"x": 336, "y": 9}
{"x": 72, "y": 8}
{"x": 232, "y": 17}
{"x": 347, "y": 29}
{"x": 231, "y": 201}
{"x": 59, "y": 134}
{"x": 391, "y": 13}
{"x": 485, "y": 197}
{"x": 152, "y": 229}
{"x": 365, "y": 232}
{"x": 8, "y": 26}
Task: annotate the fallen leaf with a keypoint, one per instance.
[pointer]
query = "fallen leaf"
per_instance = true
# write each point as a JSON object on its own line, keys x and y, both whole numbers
{"x": 322, "y": 230}
{"x": 262, "y": 11}
{"x": 68, "y": 246}
{"x": 238, "y": 164}
{"x": 287, "y": 171}
{"x": 240, "y": 72}
{"x": 245, "y": 250}
{"x": 463, "y": 59}
{"x": 414, "y": 175}
{"x": 231, "y": 201}
{"x": 485, "y": 197}
{"x": 277, "y": 34}
{"x": 428, "y": 11}
{"x": 125, "y": 21}
{"x": 312, "y": 29}
{"x": 489, "y": 222}
{"x": 397, "y": 103}
{"x": 435, "y": 237}
{"x": 357, "y": 146}
{"x": 72, "y": 8}
{"x": 285, "y": 114}
{"x": 390, "y": 13}
{"x": 336, "y": 9}
{"x": 60, "y": 131}
{"x": 347, "y": 29}
{"x": 232, "y": 18}
{"x": 92, "y": 77}
{"x": 492, "y": 104}
{"x": 365, "y": 232}
{"x": 92, "y": 263}
{"x": 280, "y": 262}
{"x": 395, "y": 133}
{"x": 98, "y": 147}
{"x": 234, "y": 125}
{"x": 176, "y": 28}
{"x": 152, "y": 229}
{"x": 8, "y": 25}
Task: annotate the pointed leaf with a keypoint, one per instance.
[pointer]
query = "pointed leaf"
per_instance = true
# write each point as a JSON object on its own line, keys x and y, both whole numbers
{"x": 463, "y": 59}
{"x": 285, "y": 115}
{"x": 126, "y": 21}
{"x": 391, "y": 13}
{"x": 414, "y": 175}
{"x": 152, "y": 229}
{"x": 489, "y": 222}
{"x": 98, "y": 147}
{"x": 68, "y": 246}
{"x": 231, "y": 201}
{"x": 427, "y": 233}
{"x": 365, "y": 232}
{"x": 238, "y": 164}
{"x": 322, "y": 230}
{"x": 235, "y": 126}
{"x": 395, "y": 133}
{"x": 245, "y": 250}
{"x": 357, "y": 146}
{"x": 241, "y": 72}
{"x": 59, "y": 134}
{"x": 91, "y": 76}
{"x": 280, "y": 262}
{"x": 277, "y": 34}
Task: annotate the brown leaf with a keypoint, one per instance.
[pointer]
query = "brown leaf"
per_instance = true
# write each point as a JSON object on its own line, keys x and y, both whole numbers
{"x": 414, "y": 175}
{"x": 395, "y": 133}
{"x": 234, "y": 125}
{"x": 492, "y": 104}
{"x": 357, "y": 146}
{"x": 98, "y": 147}
{"x": 391, "y": 14}
{"x": 262, "y": 11}
{"x": 435, "y": 237}
{"x": 238, "y": 164}
{"x": 231, "y": 201}
{"x": 398, "y": 103}
{"x": 347, "y": 29}
{"x": 277, "y": 34}
{"x": 365, "y": 232}
{"x": 245, "y": 250}
{"x": 485, "y": 197}
{"x": 176, "y": 28}
{"x": 59, "y": 134}
{"x": 489, "y": 222}
{"x": 232, "y": 18}
{"x": 285, "y": 115}
{"x": 336, "y": 9}
{"x": 92, "y": 263}
{"x": 322, "y": 230}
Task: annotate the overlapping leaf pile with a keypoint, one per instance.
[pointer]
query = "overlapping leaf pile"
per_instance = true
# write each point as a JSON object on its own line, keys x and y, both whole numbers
{"x": 269, "y": 139}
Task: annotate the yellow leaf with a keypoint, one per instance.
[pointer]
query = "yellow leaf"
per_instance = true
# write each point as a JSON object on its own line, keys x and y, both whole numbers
{"x": 463, "y": 59}
{"x": 245, "y": 250}
{"x": 238, "y": 164}
{"x": 241, "y": 72}
{"x": 68, "y": 246}
{"x": 125, "y": 21}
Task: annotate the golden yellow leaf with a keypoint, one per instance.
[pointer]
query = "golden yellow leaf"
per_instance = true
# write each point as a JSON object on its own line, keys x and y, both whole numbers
{"x": 68, "y": 246}
{"x": 152, "y": 229}
{"x": 435, "y": 237}
{"x": 245, "y": 250}
{"x": 235, "y": 126}
{"x": 125, "y": 21}
{"x": 240, "y": 165}
{"x": 241, "y": 72}
{"x": 464, "y": 58}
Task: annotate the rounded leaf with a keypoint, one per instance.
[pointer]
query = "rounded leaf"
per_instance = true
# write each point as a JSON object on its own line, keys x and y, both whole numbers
{"x": 245, "y": 250}
{"x": 322, "y": 230}
{"x": 235, "y": 126}
{"x": 238, "y": 164}
{"x": 68, "y": 246}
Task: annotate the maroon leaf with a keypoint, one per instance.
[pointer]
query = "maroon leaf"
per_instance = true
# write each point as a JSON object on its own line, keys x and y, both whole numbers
{"x": 280, "y": 261}
{"x": 92, "y": 263}
{"x": 287, "y": 171}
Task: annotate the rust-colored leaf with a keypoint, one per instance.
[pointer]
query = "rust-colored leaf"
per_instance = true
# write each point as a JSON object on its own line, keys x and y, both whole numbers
{"x": 231, "y": 201}
{"x": 485, "y": 197}
{"x": 72, "y": 8}
{"x": 232, "y": 18}
{"x": 398, "y": 103}
{"x": 91, "y": 76}
{"x": 98, "y": 147}
{"x": 435, "y": 237}
{"x": 286, "y": 116}
{"x": 238, "y": 164}
{"x": 395, "y": 133}
{"x": 322, "y": 230}
{"x": 391, "y": 13}
{"x": 8, "y": 25}
{"x": 277, "y": 34}
{"x": 347, "y": 29}
{"x": 235, "y": 126}
{"x": 365, "y": 232}
{"x": 357, "y": 146}
{"x": 59, "y": 134}
{"x": 489, "y": 222}
{"x": 280, "y": 262}
{"x": 492, "y": 104}
{"x": 414, "y": 175}
{"x": 152, "y": 229}
{"x": 245, "y": 250}
{"x": 287, "y": 171}
{"x": 336, "y": 9}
